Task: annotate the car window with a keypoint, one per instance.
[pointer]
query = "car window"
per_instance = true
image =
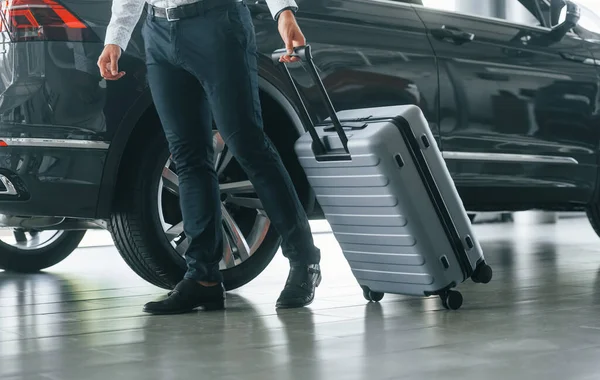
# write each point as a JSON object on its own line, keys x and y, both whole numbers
{"x": 513, "y": 11}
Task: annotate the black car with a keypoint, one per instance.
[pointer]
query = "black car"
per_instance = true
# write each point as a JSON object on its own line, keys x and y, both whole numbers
{"x": 514, "y": 103}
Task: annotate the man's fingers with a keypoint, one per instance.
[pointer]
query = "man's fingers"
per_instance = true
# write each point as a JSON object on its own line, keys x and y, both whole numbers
{"x": 114, "y": 68}
{"x": 102, "y": 65}
{"x": 114, "y": 77}
{"x": 292, "y": 37}
{"x": 289, "y": 50}
{"x": 108, "y": 63}
{"x": 301, "y": 41}
{"x": 110, "y": 76}
{"x": 106, "y": 69}
{"x": 289, "y": 44}
{"x": 295, "y": 43}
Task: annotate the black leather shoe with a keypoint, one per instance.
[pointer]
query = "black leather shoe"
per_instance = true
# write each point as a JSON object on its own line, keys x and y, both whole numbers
{"x": 300, "y": 286}
{"x": 187, "y": 296}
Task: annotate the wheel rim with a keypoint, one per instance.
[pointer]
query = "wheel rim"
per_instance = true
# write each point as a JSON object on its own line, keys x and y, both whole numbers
{"x": 243, "y": 235}
{"x": 30, "y": 240}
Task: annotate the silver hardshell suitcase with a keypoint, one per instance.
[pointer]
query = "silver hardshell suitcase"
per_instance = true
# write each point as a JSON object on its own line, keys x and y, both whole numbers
{"x": 392, "y": 205}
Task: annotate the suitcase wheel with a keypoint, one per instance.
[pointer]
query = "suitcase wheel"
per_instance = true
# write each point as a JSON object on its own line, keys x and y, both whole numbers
{"x": 483, "y": 274}
{"x": 371, "y": 296}
{"x": 452, "y": 300}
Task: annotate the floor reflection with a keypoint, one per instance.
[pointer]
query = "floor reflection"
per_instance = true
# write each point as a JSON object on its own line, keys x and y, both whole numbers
{"x": 83, "y": 319}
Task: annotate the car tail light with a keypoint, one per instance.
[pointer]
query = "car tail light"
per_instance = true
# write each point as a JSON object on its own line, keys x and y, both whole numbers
{"x": 41, "y": 20}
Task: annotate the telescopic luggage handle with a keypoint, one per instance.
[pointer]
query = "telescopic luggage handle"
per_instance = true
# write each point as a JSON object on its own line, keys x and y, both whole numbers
{"x": 304, "y": 53}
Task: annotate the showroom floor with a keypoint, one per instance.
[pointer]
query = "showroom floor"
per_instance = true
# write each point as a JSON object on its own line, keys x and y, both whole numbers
{"x": 538, "y": 319}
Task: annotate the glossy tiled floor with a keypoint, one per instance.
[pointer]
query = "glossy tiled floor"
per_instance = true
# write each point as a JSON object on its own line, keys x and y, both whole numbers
{"x": 538, "y": 319}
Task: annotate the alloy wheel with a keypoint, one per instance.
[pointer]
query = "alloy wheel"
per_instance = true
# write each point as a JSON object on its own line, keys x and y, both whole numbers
{"x": 244, "y": 222}
{"x": 29, "y": 240}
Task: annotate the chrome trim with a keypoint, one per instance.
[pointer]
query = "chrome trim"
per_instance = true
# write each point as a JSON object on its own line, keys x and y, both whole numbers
{"x": 33, "y": 222}
{"x": 496, "y": 20}
{"x": 44, "y": 223}
{"x": 593, "y": 62}
{"x": 10, "y": 188}
{"x": 24, "y": 241}
{"x": 529, "y": 73}
{"x": 54, "y": 143}
{"x": 508, "y": 157}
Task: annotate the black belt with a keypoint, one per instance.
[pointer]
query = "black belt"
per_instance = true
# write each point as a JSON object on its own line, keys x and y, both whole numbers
{"x": 189, "y": 10}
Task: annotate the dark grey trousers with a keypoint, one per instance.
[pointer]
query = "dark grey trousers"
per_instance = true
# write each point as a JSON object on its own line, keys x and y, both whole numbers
{"x": 202, "y": 69}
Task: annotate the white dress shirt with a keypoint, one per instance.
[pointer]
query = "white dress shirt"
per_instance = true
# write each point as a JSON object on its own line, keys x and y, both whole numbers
{"x": 126, "y": 14}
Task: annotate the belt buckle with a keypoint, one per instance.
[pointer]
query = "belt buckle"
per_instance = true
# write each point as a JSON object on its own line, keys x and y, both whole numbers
{"x": 169, "y": 15}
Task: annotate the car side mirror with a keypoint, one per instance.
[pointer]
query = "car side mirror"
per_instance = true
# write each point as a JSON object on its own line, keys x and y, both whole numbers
{"x": 573, "y": 14}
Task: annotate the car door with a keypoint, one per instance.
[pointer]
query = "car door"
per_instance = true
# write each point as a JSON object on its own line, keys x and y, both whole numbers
{"x": 370, "y": 53}
{"x": 517, "y": 113}
{"x": 588, "y": 27}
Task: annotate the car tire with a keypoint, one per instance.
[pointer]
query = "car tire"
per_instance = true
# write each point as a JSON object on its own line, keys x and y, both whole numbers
{"x": 41, "y": 250}
{"x": 593, "y": 214}
{"x": 141, "y": 212}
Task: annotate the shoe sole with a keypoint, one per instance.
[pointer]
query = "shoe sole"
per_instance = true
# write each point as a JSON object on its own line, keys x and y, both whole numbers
{"x": 205, "y": 307}
{"x": 295, "y": 306}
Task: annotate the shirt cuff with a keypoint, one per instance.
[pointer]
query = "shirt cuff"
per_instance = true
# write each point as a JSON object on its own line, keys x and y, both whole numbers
{"x": 278, "y": 6}
{"x": 290, "y": 8}
{"x": 117, "y": 36}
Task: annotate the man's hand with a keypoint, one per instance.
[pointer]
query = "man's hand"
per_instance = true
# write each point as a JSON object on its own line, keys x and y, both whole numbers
{"x": 109, "y": 62}
{"x": 291, "y": 35}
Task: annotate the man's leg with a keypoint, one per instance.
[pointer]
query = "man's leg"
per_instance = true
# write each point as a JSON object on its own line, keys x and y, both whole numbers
{"x": 184, "y": 112}
{"x": 224, "y": 59}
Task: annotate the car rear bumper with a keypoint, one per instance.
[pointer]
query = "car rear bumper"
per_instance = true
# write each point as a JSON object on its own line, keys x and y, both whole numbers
{"x": 47, "y": 177}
